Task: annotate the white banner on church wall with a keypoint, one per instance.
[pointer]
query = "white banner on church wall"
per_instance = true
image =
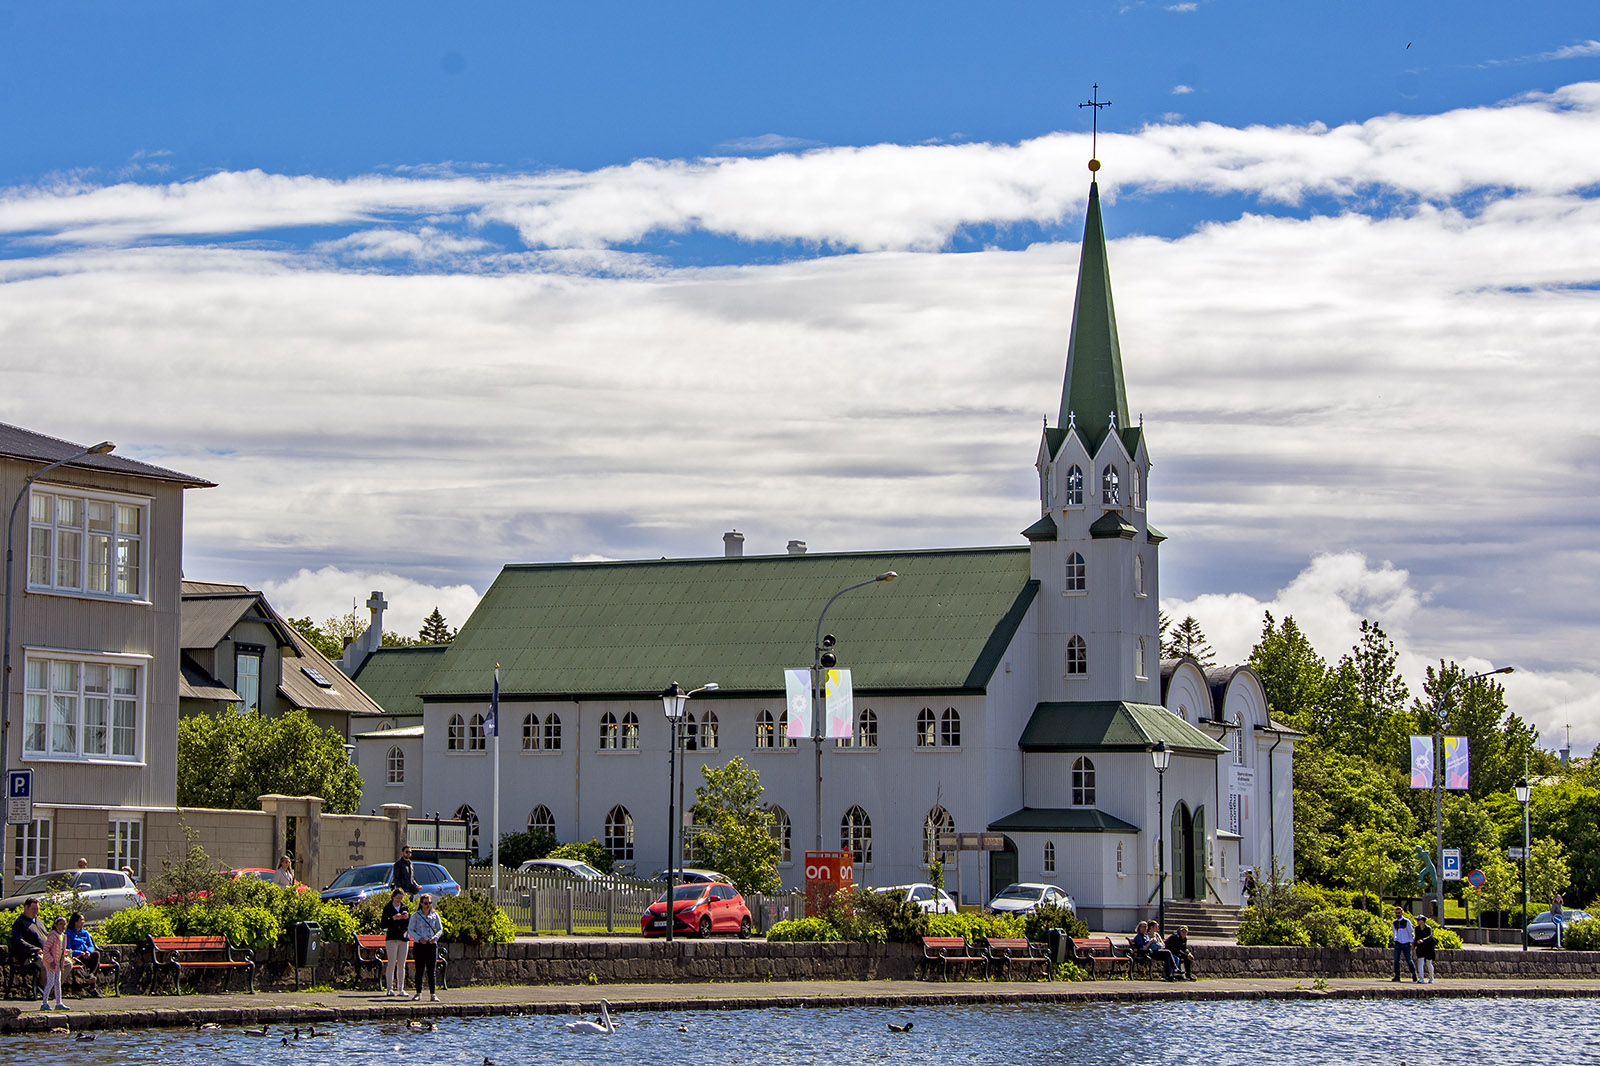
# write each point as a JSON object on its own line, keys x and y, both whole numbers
{"x": 1241, "y": 786}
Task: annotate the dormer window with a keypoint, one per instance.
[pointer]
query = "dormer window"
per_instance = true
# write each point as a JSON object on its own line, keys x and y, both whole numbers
{"x": 1109, "y": 486}
{"x": 1074, "y": 487}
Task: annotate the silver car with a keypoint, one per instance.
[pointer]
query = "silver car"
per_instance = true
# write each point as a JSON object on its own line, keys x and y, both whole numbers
{"x": 100, "y": 893}
{"x": 1542, "y": 930}
{"x": 1028, "y": 896}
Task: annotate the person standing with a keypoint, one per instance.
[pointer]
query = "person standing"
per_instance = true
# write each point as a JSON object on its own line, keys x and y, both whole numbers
{"x": 401, "y": 873}
{"x": 283, "y": 876}
{"x": 53, "y": 960}
{"x": 396, "y": 922}
{"x": 425, "y": 929}
{"x": 1404, "y": 934}
{"x": 1427, "y": 943}
{"x": 83, "y": 950}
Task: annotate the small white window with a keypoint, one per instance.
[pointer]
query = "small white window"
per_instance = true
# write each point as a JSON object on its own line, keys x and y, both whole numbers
{"x": 1121, "y": 850}
{"x": 1138, "y": 660}
{"x": 552, "y": 732}
{"x": 783, "y": 739}
{"x": 1049, "y": 857}
{"x": 125, "y": 845}
{"x": 1074, "y": 487}
{"x": 542, "y": 820}
{"x": 397, "y": 766}
{"x": 619, "y": 834}
{"x": 32, "y": 849}
{"x": 950, "y": 728}
{"x": 608, "y": 732}
{"x": 1077, "y": 657}
{"x": 475, "y": 738}
{"x": 708, "y": 731}
{"x": 927, "y": 728}
{"x": 1077, "y": 573}
{"x": 1136, "y": 487}
{"x": 764, "y": 729}
{"x": 465, "y": 813}
{"x": 1110, "y": 484}
{"x": 630, "y": 731}
{"x": 530, "y": 733}
{"x": 1138, "y": 575}
{"x": 1083, "y": 782}
{"x": 938, "y": 821}
{"x": 456, "y": 734}
{"x": 782, "y": 832}
{"x": 855, "y": 835}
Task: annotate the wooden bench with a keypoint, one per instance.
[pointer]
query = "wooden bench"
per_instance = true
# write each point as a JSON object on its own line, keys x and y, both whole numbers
{"x": 180, "y": 953}
{"x": 948, "y": 952}
{"x": 1002, "y": 953}
{"x": 109, "y": 960}
{"x": 1147, "y": 958}
{"x": 370, "y": 951}
{"x": 1096, "y": 952}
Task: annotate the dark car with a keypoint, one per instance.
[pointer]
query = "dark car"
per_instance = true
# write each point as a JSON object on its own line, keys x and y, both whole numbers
{"x": 359, "y": 882}
{"x": 691, "y": 875}
{"x": 701, "y": 909}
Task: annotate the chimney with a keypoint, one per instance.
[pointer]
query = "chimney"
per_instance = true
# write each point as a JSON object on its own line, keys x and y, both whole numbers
{"x": 797, "y": 547}
{"x": 733, "y": 544}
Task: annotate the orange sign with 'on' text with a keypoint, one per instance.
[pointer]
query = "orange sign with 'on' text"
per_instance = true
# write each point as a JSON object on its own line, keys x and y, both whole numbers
{"x": 826, "y": 873}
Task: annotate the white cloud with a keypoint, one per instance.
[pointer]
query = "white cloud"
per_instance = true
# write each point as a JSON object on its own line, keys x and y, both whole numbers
{"x": 330, "y": 591}
{"x": 1183, "y": 9}
{"x": 767, "y": 142}
{"x": 1578, "y": 50}
{"x": 1181, "y": 90}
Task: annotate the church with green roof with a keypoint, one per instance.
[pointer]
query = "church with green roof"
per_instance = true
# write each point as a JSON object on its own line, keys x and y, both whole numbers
{"x": 1013, "y": 691}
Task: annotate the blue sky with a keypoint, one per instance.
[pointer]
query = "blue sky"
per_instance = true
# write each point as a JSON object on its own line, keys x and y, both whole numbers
{"x": 416, "y": 285}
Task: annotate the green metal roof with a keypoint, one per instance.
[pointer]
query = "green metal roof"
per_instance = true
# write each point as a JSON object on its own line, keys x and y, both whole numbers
{"x": 1061, "y": 820}
{"x": 1043, "y": 529}
{"x": 1111, "y": 524}
{"x": 1153, "y": 535}
{"x": 394, "y": 676}
{"x": 592, "y": 630}
{"x": 1111, "y": 725}
{"x": 1093, "y": 389}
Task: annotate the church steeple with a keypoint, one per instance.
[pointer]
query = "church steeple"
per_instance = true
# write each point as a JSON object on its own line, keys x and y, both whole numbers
{"x": 1093, "y": 394}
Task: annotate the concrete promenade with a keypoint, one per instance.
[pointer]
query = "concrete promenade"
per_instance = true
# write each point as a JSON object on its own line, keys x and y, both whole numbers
{"x": 287, "y": 1009}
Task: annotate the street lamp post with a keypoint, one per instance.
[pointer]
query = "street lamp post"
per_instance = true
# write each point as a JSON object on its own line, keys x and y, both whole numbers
{"x": 103, "y": 448}
{"x": 822, "y": 660}
{"x": 1438, "y": 786}
{"x": 674, "y": 701}
{"x": 1161, "y": 758}
{"x": 1524, "y": 791}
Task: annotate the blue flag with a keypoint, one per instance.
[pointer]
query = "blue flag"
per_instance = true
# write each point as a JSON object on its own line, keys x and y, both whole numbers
{"x": 491, "y": 724}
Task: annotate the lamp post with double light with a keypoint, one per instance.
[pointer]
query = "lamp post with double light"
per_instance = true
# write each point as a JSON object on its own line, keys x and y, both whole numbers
{"x": 103, "y": 448}
{"x": 823, "y": 659}
{"x": 675, "y": 701}
{"x": 1439, "y": 781}
{"x": 1161, "y": 758}
{"x": 1524, "y": 793}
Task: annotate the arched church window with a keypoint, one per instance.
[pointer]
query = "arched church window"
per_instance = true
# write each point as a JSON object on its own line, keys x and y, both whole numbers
{"x": 1049, "y": 856}
{"x": 542, "y": 819}
{"x": 630, "y": 731}
{"x": 1074, "y": 487}
{"x": 764, "y": 729}
{"x": 475, "y": 741}
{"x": 855, "y": 835}
{"x": 927, "y": 726}
{"x": 455, "y": 736}
{"x": 1238, "y": 741}
{"x": 1121, "y": 851}
{"x": 552, "y": 732}
{"x": 465, "y": 813}
{"x": 1083, "y": 782}
{"x": 867, "y": 728}
{"x": 783, "y": 833}
{"x": 1110, "y": 494}
{"x": 783, "y": 739}
{"x": 1138, "y": 659}
{"x": 619, "y": 833}
{"x": 708, "y": 731}
{"x": 689, "y": 733}
{"x": 950, "y": 728}
{"x": 1136, "y": 486}
{"x": 397, "y": 766}
{"x": 608, "y": 732}
{"x": 1077, "y": 573}
{"x": 530, "y": 733}
{"x": 1077, "y": 657}
{"x": 937, "y": 821}
{"x": 1138, "y": 575}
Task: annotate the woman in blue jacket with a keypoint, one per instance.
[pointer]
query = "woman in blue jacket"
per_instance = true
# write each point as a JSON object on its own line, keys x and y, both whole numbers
{"x": 82, "y": 948}
{"x": 425, "y": 930}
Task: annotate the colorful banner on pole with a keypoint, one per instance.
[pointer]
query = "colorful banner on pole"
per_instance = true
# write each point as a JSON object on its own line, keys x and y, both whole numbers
{"x": 1455, "y": 762}
{"x": 838, "y": 703}
{"x": 1421, "y": 762}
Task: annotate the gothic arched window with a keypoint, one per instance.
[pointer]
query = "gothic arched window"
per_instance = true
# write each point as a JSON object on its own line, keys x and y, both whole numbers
{"x": 1138, "y": 659}
{"x": 1109, "y": 486}
{"x": 541, "y": 818}
{"x": 855, "y": 835}
{"x": 608, "y": 732}
{"x": 764, "y": 729}
{"x": 530, "y": 733}
{"x": 1077, "y": 657}
{"x": 552, "y": 732}
{"x": 455, "y": 736}
{"x": 1077, "y": 573}
{"x": 708, "y": 731}
{"x": 475, "y": 741}
{"x": 397, "y": 766}
{"x": 465, "y": 813}
{"x": 950, "y": 728}
{"x": 783, "y": 739}
{"x": 1074, "y": 487}
{"x": 782, "y": 832}
{"x": 1049, "y": 857}
{"x": 867, "y": 729}
{"x": 1083, "y": 782}
{"x": 619, "y": 833}
{"x": 630, "y": 731}
{"x": 927, "y": 728}
{"x": 937, "y": 821}
{"x": 1138, "y": 575}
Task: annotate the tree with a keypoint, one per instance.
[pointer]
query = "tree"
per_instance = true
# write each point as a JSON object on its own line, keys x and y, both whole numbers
{"x": 1499, "y": 743}
{"x": 518, "y": 848}
{"x": 332, "y": 635}
{"x": 1188, "y": 639}
{"x": 319, "y": 639}
{"x": 230, "y": 760}
{"x": 1502, "y": 886}
{"x": 590, "y": 851}
{"x": 736, "y": 838}
{"x": 1368, "y": 861}
{"x": 1294, "y": 675}
{"x": 435, "y": 630}
{"x": 1470, "y": 826}
{"x": 1547, "y": 871}
{"x": 1365, "y": 711}
{"x": 1337, "y": 794}
{"x": 395, "y": 640}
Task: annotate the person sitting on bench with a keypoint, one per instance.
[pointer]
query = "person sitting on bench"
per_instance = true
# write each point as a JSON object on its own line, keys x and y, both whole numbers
{"x": 1180, "y": 958}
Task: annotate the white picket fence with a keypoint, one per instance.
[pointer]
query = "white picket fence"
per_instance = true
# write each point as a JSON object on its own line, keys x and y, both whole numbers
{"x": 542, "y": 904}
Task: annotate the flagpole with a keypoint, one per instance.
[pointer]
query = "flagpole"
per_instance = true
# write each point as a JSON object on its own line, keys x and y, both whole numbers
{"x": 494, "y": 816}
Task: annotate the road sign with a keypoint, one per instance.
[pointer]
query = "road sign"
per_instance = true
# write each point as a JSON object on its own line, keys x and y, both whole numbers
{"x": 1452, "y": 864}
{"x": 19, "y": 797}
{"x": 1477, "y": 879}
{"x": 1513, "y": 853}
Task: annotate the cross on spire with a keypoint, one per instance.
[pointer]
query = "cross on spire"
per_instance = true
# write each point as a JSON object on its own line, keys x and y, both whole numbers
{"x": 1095, "y": 102}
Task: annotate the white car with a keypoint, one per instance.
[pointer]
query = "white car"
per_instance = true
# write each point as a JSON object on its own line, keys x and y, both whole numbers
{"x": 930, "y": 899}
{"x": 100, "y": 893}
{"x": 1027, "y": 896}
{"x": 562, "y": 870}
{"x": 1542, "y": 930}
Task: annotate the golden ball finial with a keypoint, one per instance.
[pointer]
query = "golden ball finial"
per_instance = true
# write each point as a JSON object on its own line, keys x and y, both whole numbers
{"x": 1094, "y": 164}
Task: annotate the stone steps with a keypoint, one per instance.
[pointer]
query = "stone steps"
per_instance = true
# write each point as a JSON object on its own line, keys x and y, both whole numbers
{"x": 1208, "y": 921}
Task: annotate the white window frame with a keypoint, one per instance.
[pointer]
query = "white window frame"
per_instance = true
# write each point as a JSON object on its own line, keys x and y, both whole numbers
{"x": 1083, "y": 659}
{"x": 1074, "y": 487}
{"x": 31, "y": 848}
{"x": 855, "y": 834}
{"x": 530, "y": 733}
{"x": 1110, "y": 486}
{"x": 41, "y": 706}
{"x": 950, "y": 728}
{"x": 710, "y": 732}
{"x": 476, "y": 739}
{"x": 619, "y": 832}
{"x": 1136, "y": 487}
{"x": 783, "y": 834}
{"x": 1138, "y": 576}
{"x": 51, "y": 534}
{"x": 1083, "y": 782}
{"x": 1139, "y": 660}
{"x": 455, "y": 733}
{"x": 764, "y": 730}
{"x": 780, "y": 735}
{"x": 630, "y": 731}
{"x": 1049, "y": 856}
{"x": 548, "y": 822}
{"x": 1077, "y": 579}
{"x": 1121, "y": 856}
{"x": 395, "y": 765}
{"x": 550, "y": 733}
{"x": 125, "y": 845}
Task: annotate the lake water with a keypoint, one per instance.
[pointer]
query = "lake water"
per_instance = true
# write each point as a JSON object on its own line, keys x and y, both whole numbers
{"x": 1476, "y": 1032}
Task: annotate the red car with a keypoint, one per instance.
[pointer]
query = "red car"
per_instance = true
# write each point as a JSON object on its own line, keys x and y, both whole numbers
{"x": 700, "y": 909}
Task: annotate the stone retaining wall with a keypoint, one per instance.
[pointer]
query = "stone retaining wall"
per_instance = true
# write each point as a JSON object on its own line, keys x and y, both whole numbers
{"x": 581, "y": 962}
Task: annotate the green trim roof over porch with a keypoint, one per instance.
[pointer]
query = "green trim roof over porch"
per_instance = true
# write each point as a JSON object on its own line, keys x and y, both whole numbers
{"x": 1111, "y": 725}
{"x": 1061, "y": 820}
{"x": 627, "y": 629}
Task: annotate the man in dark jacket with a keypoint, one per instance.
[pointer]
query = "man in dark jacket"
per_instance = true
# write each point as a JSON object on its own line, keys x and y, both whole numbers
{"x": 402, "y": 876}
{"x": 27, "y": 941}
{"x": 1182, "y": 962}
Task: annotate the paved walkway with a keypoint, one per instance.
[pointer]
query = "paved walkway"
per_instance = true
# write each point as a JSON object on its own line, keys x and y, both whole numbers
{"x": 287, "y": 1009}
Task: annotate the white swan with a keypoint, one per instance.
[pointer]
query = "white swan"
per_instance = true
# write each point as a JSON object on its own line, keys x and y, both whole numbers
{"x": 605, "y": 1029}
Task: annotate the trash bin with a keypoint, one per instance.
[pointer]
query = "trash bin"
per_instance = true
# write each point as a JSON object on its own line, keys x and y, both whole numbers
{"x": 1060, "y": 945}
{"x": 307, "y": 944}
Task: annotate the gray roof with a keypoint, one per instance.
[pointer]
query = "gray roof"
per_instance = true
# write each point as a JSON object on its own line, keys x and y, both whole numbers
{"x": 1111, "y": 725}
{"x": 25, "y": 444}
{"x": 1061, "y": 820}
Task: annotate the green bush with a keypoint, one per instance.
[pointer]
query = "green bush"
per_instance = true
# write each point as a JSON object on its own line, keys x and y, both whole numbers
{"x": 1370, "y": 930}
{"x": 1582, "y": 936}
{"x": 1038, "y": 922}
{"x": 973, "y": 925}
{"x": 802, "y": 930}
{"x": 474, "y": 919}
{"x": 338, "y": 924}
{"x": 254, "y": 927}
{"x": 1446, "y": 938}
{"x": 368, "y": 914}
{"x": 1326, "y": 930}
{"x": 1071, "y": 971}
{"x": 132, "y": 925}
{"x": 900, "y": 920}
{"x": 1258, "y": 929}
